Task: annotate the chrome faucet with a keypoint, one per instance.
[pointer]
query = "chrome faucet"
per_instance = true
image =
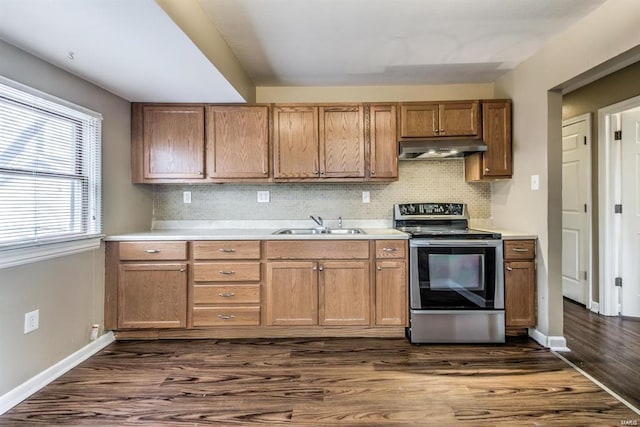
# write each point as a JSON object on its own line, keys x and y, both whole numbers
{"x": 318, "y": 220}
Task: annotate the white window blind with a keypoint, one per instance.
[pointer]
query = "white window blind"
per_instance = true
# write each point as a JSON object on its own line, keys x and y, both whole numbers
{"x": 50, "y": 188}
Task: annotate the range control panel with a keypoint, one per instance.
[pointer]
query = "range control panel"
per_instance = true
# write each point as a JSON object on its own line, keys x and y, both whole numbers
{"x": 431, "y": 209}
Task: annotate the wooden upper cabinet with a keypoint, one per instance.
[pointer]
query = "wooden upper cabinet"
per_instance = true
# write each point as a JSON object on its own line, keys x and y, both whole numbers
{"x": 496, "y": 162}
{"x": 237, "y": 142}
{"x": 430, "y": 119}
{"x": 383, "y": 149}
{"x": 341, "y": 141}
{"x": 167, "y": 142}
{"x": 295, "y": 142}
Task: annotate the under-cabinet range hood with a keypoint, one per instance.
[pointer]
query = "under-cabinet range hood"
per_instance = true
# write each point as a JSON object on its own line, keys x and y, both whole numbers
{"x": 434, "y": 149}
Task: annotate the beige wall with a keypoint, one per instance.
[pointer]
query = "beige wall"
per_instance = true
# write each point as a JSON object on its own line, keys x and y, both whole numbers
{"x": 68, "y": 291}
{"x": 537, "y": 137}
{"x": 374, "y": 93}
{"x": 616, "y": 87}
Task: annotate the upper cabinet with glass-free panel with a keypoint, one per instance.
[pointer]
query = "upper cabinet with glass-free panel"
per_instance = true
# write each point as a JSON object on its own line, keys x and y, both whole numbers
{"x": 439, "y": 119}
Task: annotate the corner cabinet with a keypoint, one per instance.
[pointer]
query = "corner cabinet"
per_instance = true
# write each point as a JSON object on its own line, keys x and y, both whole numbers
{"x": 167, "y": 142}
{"x": 520, "y": 283}
{"x": 496, "y": 162}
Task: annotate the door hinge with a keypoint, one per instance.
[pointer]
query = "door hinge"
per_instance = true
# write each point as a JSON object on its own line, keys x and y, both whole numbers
{"x": 618, "y": 281}
{"x": 585, "y": 140}
{"x": 617, "y": 135}
{"x": 585, "y": 208}
{"x": 584, "y": 274}
{"x": 617, "y": 209}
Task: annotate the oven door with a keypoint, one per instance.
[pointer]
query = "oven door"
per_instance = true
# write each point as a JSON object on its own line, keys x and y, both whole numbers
{"x": 456, "y": 274}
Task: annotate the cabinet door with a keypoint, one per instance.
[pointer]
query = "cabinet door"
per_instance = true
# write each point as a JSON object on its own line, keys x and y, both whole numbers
{"x": 295, "y": 142}
{"x": 418, "y": 120}
{"x": 520, "y": 293}
{"x": 292, "y": 293}
{"x": 383, "y": 142}
{"x": 496, "y": 133}
{"x": 237, "y": 142}
{"x": 344, "y": 293}
{"x": 459, "y": 118}
{"x": 173, "y": 142}
{"x": 391, "y": 293}
{"x": 341, "y": 141}
{"x": 152, "y": 296}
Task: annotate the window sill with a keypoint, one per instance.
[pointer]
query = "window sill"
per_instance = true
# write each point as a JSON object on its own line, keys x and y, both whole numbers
{"x": 27, "y": 255}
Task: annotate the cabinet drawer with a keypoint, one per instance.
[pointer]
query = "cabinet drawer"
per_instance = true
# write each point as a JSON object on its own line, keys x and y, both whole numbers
{"x": 226, "y": 272}
{"x": 326, "y": 249}
{"x": 225, "y": 294}
{"x": 226, "y": 316}
{"x": 230, "y": 249}
{"x": 390, "y": 249}
{"x": 519, "y": 249}
{"x": 148, "y": 251}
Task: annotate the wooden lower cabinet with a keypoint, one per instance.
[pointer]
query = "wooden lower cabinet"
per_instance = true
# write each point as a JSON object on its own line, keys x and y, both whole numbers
{"x": 291, "y": 293}
{"x": 520, "y": 283}
{"x": 152, "y": 295}
{"x": 344, "y": 293}
{"x": 391, "y": 293}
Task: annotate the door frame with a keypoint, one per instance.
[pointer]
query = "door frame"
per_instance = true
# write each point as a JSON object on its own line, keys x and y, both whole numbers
{"x": 609, "y": 194}
{"x": 591, "y": 305}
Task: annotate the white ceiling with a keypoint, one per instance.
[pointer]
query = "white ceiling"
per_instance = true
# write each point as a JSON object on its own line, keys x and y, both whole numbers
{"x": 133, "y": 49}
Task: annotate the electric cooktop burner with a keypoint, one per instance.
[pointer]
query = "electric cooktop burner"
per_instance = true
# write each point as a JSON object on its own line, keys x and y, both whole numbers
{"x": 437, "y": 221}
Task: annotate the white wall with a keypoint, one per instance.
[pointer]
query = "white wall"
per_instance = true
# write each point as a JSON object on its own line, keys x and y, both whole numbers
{"x": 68, "y": 291}
{"x": 534, "y": 86}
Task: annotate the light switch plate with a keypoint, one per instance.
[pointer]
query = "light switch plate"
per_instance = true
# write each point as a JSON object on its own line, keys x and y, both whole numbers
{"x": 535, "y": 182}
{"x": 263, "y": 197}
{"x": 186, "y": 196}
{"x": 366, "y": 197}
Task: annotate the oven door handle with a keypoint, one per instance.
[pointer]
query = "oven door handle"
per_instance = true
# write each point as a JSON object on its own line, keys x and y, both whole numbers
{"x": 457, "y": 243}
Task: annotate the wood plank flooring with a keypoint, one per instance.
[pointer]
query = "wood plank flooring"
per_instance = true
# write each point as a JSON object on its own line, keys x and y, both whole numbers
{"x": 608, "y": 348}
{"x": 320, "y": 382}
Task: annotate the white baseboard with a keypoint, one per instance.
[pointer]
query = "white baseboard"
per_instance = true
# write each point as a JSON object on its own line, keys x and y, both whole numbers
{"x": 555, "y": 343}
{"x": 26, "y": 389}
{"x": 595, "y": 307}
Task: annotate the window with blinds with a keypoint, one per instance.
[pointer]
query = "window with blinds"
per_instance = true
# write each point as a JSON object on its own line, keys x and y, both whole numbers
{"x": 50, "y": 189}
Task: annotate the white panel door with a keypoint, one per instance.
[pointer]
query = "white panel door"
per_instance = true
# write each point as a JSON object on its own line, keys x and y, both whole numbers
{"x": 630, "y": 254}
{"x": 575, "y": 227}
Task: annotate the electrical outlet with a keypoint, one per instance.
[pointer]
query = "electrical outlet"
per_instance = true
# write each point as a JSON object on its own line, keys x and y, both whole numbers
{"x": 31, "y": 321}
{"x": 263, "y": 197}
{"x": 186, "y": 196}
{"x": 366, "y": 197}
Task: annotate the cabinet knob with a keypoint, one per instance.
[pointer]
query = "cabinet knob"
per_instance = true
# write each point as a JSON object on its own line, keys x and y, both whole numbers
{"x": 378, "y": 268}
{"x": 264, "y": 171}
{"x": 321, "y": 172}
{"x": 227, "y": 272}
{"x": 315, "y": 268}
{"x": 441, "y": 130}
{"x": 226, "y": 250}
{"x": 487, "y": 170}
{"x": 509, "y": 268}
{"x": 321, "y": 268}
{"x": 373, "y": 172}
{"x": 226, "y": 316}
{"x": 152, "y": 251}
{"x": 182, "y": 270}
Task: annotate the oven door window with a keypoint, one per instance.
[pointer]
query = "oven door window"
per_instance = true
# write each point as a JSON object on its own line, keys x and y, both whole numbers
{"x": 451, "y": 278}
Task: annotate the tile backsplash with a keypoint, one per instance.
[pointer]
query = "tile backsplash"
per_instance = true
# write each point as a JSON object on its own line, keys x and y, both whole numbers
{"x": 420, "y": 181}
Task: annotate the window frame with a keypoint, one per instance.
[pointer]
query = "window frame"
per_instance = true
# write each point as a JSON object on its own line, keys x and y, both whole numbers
{"x": 24, "y": 252}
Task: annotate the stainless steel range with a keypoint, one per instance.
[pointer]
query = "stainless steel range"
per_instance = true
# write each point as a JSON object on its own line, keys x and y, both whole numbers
{"x": 456, "y": 282}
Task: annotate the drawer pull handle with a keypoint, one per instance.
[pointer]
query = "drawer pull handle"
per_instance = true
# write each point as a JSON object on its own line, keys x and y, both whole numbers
{"x": 509, "y": 268}
{"x": 520, "y": 250}
{"x": 389, "y": 249}
{"x": 226, "y": 250}
{"x": 152, "y": 251}
{"x": 226, "y": 316}
{"x": 227, "y": 272}
{"x": 227, "y": 294}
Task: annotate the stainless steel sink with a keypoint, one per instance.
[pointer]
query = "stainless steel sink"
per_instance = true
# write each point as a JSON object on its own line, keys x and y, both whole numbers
{"x": 303, "y": 231}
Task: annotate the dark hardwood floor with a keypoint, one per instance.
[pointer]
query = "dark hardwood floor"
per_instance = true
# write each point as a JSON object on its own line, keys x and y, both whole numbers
{"x": 607, "y": 348}
{"x": 320, "y": 382}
